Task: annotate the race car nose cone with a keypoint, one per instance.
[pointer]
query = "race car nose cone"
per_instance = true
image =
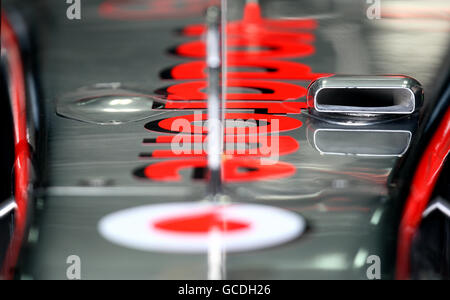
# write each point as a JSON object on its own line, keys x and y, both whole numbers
{"x": 365, "y": 95}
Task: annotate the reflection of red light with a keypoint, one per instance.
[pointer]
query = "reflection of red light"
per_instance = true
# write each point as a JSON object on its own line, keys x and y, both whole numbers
{"x": 201, "y": 223}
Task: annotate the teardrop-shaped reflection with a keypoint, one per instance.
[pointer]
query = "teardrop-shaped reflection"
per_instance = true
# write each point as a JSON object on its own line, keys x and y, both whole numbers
{"x": 107, "y": 104}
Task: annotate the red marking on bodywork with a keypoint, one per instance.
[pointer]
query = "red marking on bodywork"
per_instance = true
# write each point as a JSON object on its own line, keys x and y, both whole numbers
{"x": 286, "y": 145}
{"x": 285, "y": 123}
{"x": 264, "y": 47}
{"x": 254, "y": 42}
{"x": 201, "y": 224}
{"x": 235, "y": 29}
{"x": 235, "y": 170}
{"x": 271, "y": 69}
{"x": 277, "y": 91}
{"x": 272, "y": 107}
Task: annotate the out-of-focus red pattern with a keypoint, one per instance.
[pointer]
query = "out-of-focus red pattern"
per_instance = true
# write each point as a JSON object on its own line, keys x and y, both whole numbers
{"x": 16, "y": 87}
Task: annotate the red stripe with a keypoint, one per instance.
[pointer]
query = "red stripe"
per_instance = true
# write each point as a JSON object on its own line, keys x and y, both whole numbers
{"x": 430, "y": 166}
{"x": 22, "y": 154}
{"x": 279, "y": 70}
{"x": 169, "y": 170}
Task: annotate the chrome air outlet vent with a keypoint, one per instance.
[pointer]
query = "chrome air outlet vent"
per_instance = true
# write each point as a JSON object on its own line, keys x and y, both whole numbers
{"x": 365, "y": 96}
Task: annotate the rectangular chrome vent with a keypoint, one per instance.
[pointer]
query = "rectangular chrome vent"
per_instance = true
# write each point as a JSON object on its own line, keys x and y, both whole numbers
{"x": 365, "y": 95}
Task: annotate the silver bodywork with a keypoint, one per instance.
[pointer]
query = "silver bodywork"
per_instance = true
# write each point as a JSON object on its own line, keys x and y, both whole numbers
{"x": 92, "y": 168}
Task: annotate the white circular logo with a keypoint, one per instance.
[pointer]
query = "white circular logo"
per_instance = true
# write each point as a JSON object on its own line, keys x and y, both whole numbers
{"x": 192, "y": 227}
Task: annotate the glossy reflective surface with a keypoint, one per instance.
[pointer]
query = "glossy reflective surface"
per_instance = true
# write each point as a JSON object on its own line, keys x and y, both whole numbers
{"x": 106, "y": 104}
{"x": 343, "y": 198}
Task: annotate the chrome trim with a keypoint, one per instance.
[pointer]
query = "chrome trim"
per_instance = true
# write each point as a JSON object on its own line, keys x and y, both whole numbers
{"x": 7, "y": 207}
{"x": 350, "y": 83}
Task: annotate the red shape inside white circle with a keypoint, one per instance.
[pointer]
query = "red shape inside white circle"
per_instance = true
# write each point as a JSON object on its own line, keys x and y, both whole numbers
{"x": 192, "y": 227}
